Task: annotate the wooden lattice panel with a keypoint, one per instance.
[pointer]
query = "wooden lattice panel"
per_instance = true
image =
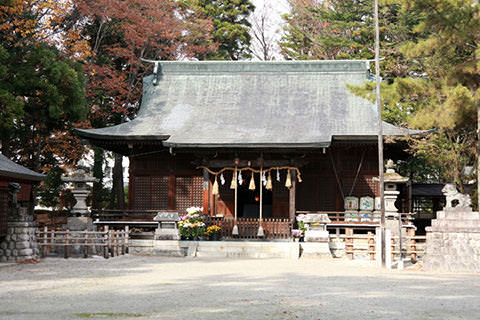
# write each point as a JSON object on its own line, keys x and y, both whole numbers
{"x": 159, "y": 187}
{"x": 141, "y": 196}
{"x": 197, "y": 191}
{"x": 183, "y": 193}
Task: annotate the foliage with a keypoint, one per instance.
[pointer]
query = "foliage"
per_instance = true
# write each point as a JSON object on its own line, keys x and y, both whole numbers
{"x": 431, "y": 68}
{"x": 297, "y": 233}
{"x": 231, "y": 29}
{"x": 191, "y": 225}
{"x": 121, "y": 33}
{"x": 213, "y": 232}
{"x": 446, "y": 91}
{"x": 51, "y": 188}
{"x": 41, "y": 89}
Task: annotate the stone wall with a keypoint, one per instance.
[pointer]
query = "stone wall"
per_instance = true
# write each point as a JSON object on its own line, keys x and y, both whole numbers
{"x": 20, "y": 243}
{"x": 453, "y": 241}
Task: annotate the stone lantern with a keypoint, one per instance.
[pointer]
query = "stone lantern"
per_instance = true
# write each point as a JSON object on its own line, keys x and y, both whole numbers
{"x": 391, "y": 182}
{"x": 80, "y": 211}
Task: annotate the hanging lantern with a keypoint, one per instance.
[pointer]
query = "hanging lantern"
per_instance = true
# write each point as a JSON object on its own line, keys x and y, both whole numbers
{"x": 268, "y": 186}
{"x": 234, "y": 180}
{"x": 215, "y": 186}
{"x": 252, "y": 182}
{"x": 288, "y": 182}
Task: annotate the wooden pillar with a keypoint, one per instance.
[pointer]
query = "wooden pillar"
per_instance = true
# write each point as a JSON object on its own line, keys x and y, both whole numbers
{"x": 206, "y": 178}
{"x": 171, "y": 192}
{"x": 371, "y": 245}
{"x": 413, "y": 245}
{"x": 349, "y": 242}
{"x": 130, "y": 186}
{"x": 292, "y": 194}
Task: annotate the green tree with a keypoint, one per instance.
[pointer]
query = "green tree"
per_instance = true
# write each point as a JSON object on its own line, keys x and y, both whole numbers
{"x": 448, "y": 35}
{"x": 231, "y": 29}
{"x": 42, "y": 92}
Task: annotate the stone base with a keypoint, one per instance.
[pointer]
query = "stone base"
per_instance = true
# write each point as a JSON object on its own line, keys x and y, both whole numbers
{"x": 20, "y": 243}
{"x": 79, "y": 224}
{"x": 453, "y": 242}
{"x": 167, "y": 234}
{"x": 337, "y": 248}
{"x": 315, "y": 250}
{"x": 317, "y": 236}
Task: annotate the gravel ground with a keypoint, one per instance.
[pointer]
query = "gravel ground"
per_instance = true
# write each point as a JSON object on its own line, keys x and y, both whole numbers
{"x": 132, "y": 287}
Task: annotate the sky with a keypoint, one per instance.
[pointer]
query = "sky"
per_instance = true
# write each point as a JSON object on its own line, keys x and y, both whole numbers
{"x": 275, "y": 9}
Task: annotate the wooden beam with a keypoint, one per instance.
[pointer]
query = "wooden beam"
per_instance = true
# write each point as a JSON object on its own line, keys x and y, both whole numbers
{"x": 218, "y": 163}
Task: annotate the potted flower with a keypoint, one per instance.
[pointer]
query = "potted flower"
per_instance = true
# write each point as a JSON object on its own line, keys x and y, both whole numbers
{"x": 297, "y": 234}
{"x": 191, "y": 226}
{"x": 214, "y": 233}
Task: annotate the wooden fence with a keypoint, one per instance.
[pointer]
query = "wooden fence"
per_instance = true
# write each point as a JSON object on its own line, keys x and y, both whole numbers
{"x": 248, "y": 227}
{"x": 359, "y": 217}
{"x": 107, "y": 242}
{"x": 364, "y": 244}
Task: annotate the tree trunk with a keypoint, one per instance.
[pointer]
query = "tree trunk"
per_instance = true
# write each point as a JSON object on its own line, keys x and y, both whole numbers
{"x": 118, "y": 193}
{"x": 98, "y": 160}
{"x": 478, "y": 156}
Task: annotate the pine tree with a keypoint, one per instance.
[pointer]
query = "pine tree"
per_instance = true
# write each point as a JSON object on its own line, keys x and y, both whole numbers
{"x": 231, "y": 29}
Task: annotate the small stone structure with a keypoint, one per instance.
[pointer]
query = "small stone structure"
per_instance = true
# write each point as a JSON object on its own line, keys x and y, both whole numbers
{"x": 453, "y": 240}
{"x": 79, "y": 220}
{"x": 20, "y": 243}
{"x": 80, "y": 191}
{"x": 167, "y": 226}
{"x": 316, "y": 235}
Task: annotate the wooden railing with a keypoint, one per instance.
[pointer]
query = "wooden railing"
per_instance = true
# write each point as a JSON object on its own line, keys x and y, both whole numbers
{"x": 124, "y": 215}
{"x": 108, "y": 242}
{"x": 248, "y": 227}
{"x": 361, "y": 217}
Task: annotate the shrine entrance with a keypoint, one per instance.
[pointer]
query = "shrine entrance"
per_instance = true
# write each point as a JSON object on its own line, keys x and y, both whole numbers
{"x": 249, "y": 201}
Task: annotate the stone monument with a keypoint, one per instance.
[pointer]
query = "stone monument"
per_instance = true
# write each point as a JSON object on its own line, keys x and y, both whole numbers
{"x": 316, "y": 236}
{"x": 80, "y": 219}
{"x": 453, "y": 240}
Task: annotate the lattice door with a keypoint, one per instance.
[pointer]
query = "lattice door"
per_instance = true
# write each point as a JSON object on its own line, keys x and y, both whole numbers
{"x": 141, "y": 196}
{"x": 159, "y": 187}
{"x": 183, "y": 193}
{"x": 188, "y": 193}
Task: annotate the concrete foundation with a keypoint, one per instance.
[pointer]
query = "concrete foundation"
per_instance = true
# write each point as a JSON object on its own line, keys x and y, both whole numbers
{"x": 229, "y": 249}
